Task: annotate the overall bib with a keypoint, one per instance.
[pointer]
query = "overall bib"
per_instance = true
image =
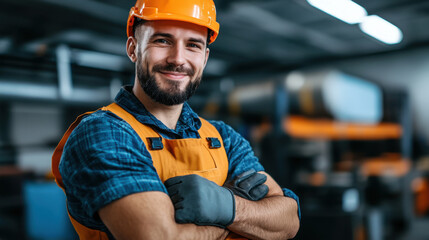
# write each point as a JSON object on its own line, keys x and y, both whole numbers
{"x": 177, "y": 157}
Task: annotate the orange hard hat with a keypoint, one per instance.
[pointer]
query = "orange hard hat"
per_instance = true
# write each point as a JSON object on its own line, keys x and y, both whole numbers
{"x": 200, "y": 12}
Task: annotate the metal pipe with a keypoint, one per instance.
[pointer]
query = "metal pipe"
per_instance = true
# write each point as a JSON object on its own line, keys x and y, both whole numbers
{"x": 64, "y": 72}
{"x": 49, "y": 92}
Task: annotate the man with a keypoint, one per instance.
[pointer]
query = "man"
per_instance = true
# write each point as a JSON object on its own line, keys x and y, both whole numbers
{"x": 147, "y": 167}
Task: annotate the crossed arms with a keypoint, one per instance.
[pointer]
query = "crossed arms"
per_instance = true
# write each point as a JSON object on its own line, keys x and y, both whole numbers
{"x": 151, "y": 215}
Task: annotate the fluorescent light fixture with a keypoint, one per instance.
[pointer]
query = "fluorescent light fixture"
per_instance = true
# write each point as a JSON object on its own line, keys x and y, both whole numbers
{"x": 345, "y": 10}
{"x": 381, "y": 29}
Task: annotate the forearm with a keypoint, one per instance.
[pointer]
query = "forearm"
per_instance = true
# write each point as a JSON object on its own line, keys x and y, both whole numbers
{"x": 150, "y": 215}
{"x": 192, "y": 231}
{"x": 273, "y": 217}
{"x": 177, "y": 232}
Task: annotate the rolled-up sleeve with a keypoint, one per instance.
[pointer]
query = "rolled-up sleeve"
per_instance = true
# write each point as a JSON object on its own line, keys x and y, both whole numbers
{"x": 104, "y": 160}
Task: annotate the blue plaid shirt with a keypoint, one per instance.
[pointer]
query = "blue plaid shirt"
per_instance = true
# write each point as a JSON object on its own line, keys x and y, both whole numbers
{"x": 104, "y": 159}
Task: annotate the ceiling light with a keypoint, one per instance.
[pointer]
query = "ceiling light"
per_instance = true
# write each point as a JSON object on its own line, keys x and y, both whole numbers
{"x": 345, "y": 10}
{"x": 381, "y": 29}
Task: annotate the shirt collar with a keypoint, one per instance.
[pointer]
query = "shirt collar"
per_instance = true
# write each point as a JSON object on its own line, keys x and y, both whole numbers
{"x": 188, "y": 118}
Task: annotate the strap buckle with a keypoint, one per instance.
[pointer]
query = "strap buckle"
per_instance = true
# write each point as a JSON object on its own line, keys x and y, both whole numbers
{"x": 155, "y": 143}
{"x": 214, "y": 142}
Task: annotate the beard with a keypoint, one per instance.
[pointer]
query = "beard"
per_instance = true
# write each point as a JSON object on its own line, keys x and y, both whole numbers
{"x": 172, "y": 95}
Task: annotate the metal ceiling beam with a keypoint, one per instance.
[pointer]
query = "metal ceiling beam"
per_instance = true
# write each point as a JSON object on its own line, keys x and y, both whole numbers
{"x": 96, "y": 9}
{"x": 391, "y": 6}
{"x": 80, "y": 37}
{"x": 269, "y": 22}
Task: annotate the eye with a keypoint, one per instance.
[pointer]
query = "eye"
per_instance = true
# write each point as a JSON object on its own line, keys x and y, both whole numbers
{"x": 194, "y": 45}
{"x": 161, "y": 40}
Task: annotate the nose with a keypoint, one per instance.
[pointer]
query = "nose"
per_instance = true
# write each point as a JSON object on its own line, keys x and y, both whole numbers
{"x": 177, "y": 55}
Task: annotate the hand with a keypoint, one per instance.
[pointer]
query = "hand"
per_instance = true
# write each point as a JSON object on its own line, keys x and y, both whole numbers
{"x": 249, "y": 185}
{"x": 201, "y": 201}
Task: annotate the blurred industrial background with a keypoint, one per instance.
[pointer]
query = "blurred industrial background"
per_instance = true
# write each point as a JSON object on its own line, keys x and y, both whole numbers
{"x": 335, "y": 108}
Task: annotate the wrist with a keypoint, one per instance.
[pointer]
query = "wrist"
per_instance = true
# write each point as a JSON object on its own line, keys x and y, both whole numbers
{"x": 239, "y": 203}
{"x": 233, "y": 207}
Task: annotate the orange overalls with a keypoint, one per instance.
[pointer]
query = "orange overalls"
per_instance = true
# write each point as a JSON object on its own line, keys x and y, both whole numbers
{"x": 177, "y": 157}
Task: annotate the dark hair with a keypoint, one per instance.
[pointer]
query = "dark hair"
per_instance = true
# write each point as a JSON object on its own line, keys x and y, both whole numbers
{"x": 139, "y": 21}
{"x": 209, "y": 35}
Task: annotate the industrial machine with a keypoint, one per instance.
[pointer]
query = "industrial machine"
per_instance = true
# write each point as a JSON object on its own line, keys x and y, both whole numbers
{"x": 342, "y": 143}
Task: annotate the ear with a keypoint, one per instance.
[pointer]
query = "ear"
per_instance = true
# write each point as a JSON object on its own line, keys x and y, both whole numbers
{"x": 132, "y": 49}
{"x": 207, "y": 56}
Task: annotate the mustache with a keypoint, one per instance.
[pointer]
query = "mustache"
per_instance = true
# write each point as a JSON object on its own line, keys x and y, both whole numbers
{"x": 173, "y": 68}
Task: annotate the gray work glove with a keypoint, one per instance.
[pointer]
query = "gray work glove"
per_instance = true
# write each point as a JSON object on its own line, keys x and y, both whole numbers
{"x": 201, "y": 201}
{"x": 249, "y": 185}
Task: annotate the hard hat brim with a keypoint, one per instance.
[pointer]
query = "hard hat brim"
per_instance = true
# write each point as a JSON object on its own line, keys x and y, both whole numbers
{"x": 212, "y": 25}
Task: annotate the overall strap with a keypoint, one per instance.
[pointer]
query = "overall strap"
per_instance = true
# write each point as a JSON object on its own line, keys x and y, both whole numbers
{"x": 207, "y": 130}
{"x": 142, "y": 130}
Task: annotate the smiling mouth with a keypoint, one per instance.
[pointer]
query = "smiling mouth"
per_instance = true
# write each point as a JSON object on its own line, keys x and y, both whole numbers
{"x": 174, "y": 75}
